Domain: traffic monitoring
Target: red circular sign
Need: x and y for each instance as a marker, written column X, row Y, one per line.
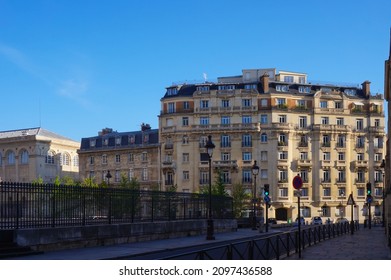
column 297, row 182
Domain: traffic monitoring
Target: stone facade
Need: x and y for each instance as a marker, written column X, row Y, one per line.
column 29, row 154
column 333, row 136
column 134, row 154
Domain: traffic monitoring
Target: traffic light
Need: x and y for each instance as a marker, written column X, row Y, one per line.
column 369, row 189
column 266, row 189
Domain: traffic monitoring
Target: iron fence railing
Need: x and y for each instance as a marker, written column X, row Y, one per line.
column 24, row 205
column 272, row 247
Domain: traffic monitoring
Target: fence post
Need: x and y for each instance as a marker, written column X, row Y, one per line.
column 251, row 250
column 54, row 206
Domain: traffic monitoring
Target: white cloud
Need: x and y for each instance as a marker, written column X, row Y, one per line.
column 74, row 89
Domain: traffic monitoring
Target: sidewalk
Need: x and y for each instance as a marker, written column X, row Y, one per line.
column 364, row 244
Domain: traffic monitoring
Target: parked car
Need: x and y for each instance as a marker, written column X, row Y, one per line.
column 302, row 221
column 341, row 220
column 316, row 220
column 272, row 221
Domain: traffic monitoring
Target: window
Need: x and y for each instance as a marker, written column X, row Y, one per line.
column 250, row 86
column 338, row 105
column 360, row 156
column 225, row 141
column 326, row 156
column 360, row 176
column 117, row 176
column 185, row 139
column 283, row 192
column 171, row 107
column 378, row 176
column 76, row 160
column 264, row 174
column 303, row 89
column 301, row 80
column 326, row 191
column 246, row 119
column 303, row 140
column 288, row 79
column 226, row 87
column 144, row 156
column 359, row 124
column 324, row 120
column 283, row 155
column 172, row 91
column 50, row 158
column 185, row 157
column 225, row 120
column 341, row 156
column 185, row 121
column 302, row 121
column 117, row 158
column 118, row 141
column 263, row 137
column 326, row 140
column 282, row 139
column 282, row 176
column 246, row 156
column 303, row 155
column 304, row 175
column 225, row 103
column 92, row 143
column 340, row 121
column 360, row 142
column 145, row 174
column 326, row 176
column 204, row 103
column 378, row 142
column 204, row 121
column 246, row 102
column 186, row 175
column 323, row 104
column 203, row 88
column 246, row 140
column 92, row 160
column 282, row 118
column 246, row 176
column 186, row 105
column 263, row 155
column 282, row 88
column 24, row 157
column 204, row 177
column 341, row 176
column 65, row 159
column 225, row 156
column 378, row 157
column 104, row 159
column 281, row 103
column 341, row 141
column 131, row 157
column 264, row 102
column 263, row 119
column 377, row 122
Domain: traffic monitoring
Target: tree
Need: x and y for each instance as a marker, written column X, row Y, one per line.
column 240, row 199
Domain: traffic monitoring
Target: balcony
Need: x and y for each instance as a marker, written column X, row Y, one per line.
column 225, row 164
column 360, row 164
column 304, row 163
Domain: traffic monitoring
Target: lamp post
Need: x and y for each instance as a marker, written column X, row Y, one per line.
column 255, row 170
column 383, row 165
column 210, row 227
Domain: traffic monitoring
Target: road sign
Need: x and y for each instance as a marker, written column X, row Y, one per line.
column 297, row 182
column 266, row 199
column 350, row 200
column 297, row 193
column 369, row 199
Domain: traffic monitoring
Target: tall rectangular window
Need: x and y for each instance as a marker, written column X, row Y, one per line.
column 204, row 103
column 263, row 119
column 171, row 107
column 246, row 119
column 359, row 124
column 302, row 121
column 225, row 120
column 204, row 120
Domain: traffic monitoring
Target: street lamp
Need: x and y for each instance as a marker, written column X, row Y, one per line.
column 255, row 170
column 210, row 228
column 383, row 165
column 108, row 176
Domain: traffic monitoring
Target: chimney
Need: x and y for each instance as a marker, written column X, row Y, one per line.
column 105, row 131
column 366, row 88
column 265, row 82
column 145, row 127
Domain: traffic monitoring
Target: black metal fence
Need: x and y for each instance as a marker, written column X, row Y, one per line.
column 24, row 205
column 271, row 247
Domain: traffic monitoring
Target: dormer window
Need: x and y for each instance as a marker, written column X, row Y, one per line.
column 92, row 143
column 226, row 87
column 172, row 91
column 303, row 89
column 282, row 88
column 250, row 86
column 350, row 91
column 203, row 88
column 118, row 141
column 288, row 79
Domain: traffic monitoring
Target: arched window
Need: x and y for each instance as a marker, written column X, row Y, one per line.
column 24, row 157
column 50, row 157
column 66, row 159
column 76, row 160
column 10, row 157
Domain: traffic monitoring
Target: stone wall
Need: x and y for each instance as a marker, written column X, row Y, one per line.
column 47, row 239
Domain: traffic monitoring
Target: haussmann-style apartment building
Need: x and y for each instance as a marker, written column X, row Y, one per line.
column 332, row 135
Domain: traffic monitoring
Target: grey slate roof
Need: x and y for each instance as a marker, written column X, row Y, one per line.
column 36, row 131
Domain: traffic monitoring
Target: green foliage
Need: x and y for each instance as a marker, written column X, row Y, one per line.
column 240, row 199
column 39, row 181
column 89, row 182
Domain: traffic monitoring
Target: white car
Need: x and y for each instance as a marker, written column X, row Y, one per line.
column 316, row 220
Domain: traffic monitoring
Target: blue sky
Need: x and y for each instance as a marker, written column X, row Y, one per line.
column 75, row 67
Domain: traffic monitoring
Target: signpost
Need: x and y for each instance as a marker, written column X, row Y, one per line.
column 351, row 203
column 297, row 184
